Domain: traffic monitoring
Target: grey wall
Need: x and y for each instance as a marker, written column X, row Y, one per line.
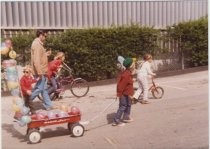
column 84, row 14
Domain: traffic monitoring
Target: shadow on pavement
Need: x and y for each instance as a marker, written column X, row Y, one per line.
column 60, row 131
column 15, row 133
column 38, row 105
column 109, row 118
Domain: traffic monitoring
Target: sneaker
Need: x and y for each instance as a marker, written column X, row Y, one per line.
column 118, row 124
column 128, row 120
column 144, row 102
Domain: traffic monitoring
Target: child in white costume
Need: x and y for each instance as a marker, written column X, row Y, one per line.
column 143, row 72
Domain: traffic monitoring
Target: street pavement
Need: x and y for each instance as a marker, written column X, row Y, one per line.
column 177, row 121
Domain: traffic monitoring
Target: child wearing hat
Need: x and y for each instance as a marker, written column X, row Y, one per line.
column 125, row 92
column 142, row 77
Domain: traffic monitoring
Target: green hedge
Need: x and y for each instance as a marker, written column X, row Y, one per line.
column 194, row 41
column 22, row 44
column 92, row 53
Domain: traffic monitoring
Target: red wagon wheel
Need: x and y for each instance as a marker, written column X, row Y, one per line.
column 34, row 136
column 77, row 130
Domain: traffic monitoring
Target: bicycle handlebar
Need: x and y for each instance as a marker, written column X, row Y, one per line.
column 67, row 68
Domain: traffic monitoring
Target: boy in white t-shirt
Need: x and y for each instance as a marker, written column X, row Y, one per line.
column 143, row 72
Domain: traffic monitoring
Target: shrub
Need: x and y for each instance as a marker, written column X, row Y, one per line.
column 92, row 53
column 22, row 44
column 194, row 40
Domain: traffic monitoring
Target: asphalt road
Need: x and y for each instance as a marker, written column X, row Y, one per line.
column 177, row 121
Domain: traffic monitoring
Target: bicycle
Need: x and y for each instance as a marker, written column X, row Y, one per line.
column 157, row 91
column 79, row 87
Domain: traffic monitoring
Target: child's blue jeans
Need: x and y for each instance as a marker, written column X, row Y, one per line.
column 124, row 109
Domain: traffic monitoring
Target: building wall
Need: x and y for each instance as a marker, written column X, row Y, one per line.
column 85, row 14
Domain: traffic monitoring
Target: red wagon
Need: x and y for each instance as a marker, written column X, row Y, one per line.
column 72, row 120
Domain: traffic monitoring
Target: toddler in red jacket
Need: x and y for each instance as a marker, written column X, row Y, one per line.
column 26, row 82
column 125, row 92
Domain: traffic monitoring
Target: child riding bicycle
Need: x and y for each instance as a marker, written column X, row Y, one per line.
column 53, row 67
column 143, row 72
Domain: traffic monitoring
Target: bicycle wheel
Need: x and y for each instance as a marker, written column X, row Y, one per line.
column 158, row 92
column 79, row 87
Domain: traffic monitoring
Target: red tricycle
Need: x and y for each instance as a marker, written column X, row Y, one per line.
column 72, row 120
